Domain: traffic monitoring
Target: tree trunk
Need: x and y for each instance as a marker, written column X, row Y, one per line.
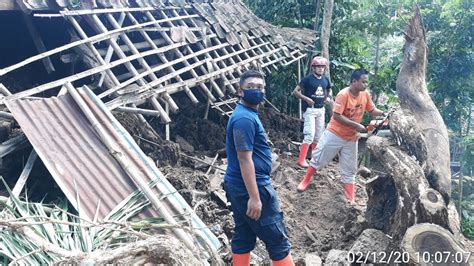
column 426, row 136
column 413, row 185
column 160, row 249
column 326, row 30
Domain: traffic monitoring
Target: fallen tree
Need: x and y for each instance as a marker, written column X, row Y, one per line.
column 414, row 182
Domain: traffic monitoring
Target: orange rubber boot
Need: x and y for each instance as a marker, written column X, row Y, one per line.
column 302, row 157
column 308, row 177
column 349, row 192
column 241, row 259
column 286, row 261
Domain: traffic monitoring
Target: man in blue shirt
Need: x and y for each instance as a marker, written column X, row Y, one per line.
column 247, row 183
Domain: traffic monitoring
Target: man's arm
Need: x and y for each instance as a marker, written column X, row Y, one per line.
column 376, row 112
column 346, row 121
column 254, row 205
column 299, row 95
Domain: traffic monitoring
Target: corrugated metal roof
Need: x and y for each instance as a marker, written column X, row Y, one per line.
column 90, row 177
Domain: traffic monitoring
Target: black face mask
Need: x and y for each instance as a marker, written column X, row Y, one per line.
column 253, row 95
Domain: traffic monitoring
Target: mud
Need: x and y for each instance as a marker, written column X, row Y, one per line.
column 318, row 220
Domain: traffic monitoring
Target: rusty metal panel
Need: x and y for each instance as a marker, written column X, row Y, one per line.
column 90, row 177
column 76, row 158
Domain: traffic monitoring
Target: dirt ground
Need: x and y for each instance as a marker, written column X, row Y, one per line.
column 317, row 220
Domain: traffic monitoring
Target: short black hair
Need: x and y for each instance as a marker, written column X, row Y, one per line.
column 250, row 74
column 356, row 74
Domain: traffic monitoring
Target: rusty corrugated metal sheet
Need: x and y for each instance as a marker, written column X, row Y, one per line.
column 73, row 154
column 81, row 164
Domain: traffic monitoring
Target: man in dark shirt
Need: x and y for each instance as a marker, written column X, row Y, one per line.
column 314, row 90
column 247, row 183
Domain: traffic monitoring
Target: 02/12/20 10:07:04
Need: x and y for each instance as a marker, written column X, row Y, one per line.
column 406, row 257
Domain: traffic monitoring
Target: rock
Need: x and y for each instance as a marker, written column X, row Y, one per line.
column 337, row 257
column 369, row 242
column 312, row 259
column 184, row 145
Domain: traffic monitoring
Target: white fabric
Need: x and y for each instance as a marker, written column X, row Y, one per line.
column 331, row 145
column 313, row 125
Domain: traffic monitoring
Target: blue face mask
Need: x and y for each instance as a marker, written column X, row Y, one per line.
column 253, row 96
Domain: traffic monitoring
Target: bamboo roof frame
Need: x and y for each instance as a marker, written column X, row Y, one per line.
column 162, row 50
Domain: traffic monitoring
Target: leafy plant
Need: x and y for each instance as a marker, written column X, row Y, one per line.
column 27, row 227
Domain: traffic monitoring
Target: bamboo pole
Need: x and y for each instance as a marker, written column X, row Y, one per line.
column 104, row 67
column 176, row 86
column 7, row 116
column 110, row 51
column 24, row 174
column 38, row 42
column 164, row 116
column 132, row 110
column 135, row 175
column 162, row 57
column 179, row 54
column 86, row 40
column 141, row 60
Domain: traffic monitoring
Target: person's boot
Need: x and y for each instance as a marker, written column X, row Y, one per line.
column 313, row 148
column 349, row 191
column 241, row 259
column 286, row 261
column 302, row 156
column 308, row 177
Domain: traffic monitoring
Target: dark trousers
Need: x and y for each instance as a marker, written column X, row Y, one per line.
column 270, row 228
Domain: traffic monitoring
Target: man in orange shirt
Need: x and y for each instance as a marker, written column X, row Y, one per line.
column 340, row 137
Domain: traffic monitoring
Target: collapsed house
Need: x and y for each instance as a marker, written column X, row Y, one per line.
column 134, row 57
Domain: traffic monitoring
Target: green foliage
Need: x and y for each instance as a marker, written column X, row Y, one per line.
column 467, row 218
column 467, row 157
column 358, row 26
column 64, row 230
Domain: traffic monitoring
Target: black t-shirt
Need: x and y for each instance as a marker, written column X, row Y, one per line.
column 310, row 88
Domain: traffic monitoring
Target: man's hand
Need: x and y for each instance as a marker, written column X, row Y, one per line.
column 328, row 100
column 254, row 208
column 309, row 101
column 360, row 128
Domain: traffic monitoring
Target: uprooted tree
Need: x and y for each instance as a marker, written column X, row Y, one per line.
column 410, row 199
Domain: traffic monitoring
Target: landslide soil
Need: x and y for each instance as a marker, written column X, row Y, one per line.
column 317, row 220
